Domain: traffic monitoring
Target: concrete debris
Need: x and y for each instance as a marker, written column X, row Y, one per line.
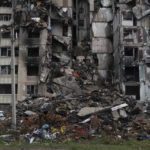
column 66, row 85
column 82, row 68
column 29, row 113
column 116, row 115
column 106, row 3
column 61, row 117
column 2, row 117
column 90, row 110
column 119, row 107
column 137, row 10
column 123, row 114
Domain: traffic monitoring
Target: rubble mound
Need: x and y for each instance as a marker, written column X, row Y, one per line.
column 85, row 116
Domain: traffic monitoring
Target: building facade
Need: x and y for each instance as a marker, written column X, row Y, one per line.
column 131, row 47
column 114, row 33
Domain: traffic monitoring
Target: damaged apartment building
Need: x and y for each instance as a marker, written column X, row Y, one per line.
column 54, row 37
column 131, row 28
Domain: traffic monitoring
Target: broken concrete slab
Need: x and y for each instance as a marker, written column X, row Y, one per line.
column 119, row 106
column 104, row 32
column 67, row 85
column 90, row 110
column 116, row 115
column 106, row 3
column 138, row 12
column 29, row 113
column 103, row 15
column 123, row 113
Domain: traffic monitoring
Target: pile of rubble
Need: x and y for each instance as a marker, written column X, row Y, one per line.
column 84, row 116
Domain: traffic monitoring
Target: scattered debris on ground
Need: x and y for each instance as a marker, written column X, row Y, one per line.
column 85, row 116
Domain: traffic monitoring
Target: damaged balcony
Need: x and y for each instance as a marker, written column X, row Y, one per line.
column 5, row 16
column 128, row 18
column 32, row 37
column 33, row 56
column 132, row 35
column 131, row 74
column 130, row 56
column 132, row 90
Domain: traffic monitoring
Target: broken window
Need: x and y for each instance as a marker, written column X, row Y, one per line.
column 33, row 52
column 5, row 17
column 32, row 70
column 5, row 70
column 128, row 51
column 131, row 52
column 33, row 34
column 32, row 89
column 132, row 74
column 133, row 91
column 6, row 51
column 5, row 3
column 97, row 5
column 5, row 88
column 16, row 51
column 127, row 16
column 6, row 35
column 130, row 35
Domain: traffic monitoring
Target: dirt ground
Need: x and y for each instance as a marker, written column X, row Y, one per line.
column 30, row 148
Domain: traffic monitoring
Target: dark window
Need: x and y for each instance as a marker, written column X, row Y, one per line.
column 81, row 23
column 35, row 34
column 32, row 89
column 130, row 34
column 6, row 35
column 16, row 51
column 132, row 73
column 133, row 90
column 129, row 51
column 32, row 70
column 16, row 69
column 5, row 17
column 81, row 10
column 33, row 52
column 5, row 88
column 6, row 51
column 127, row 16
column 5, row 3
column 65, row 30
column 5, row 70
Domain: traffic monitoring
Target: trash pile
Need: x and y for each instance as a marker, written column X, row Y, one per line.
column 84, row 116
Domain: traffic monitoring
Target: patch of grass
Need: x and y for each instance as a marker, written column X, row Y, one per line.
column 96, row 144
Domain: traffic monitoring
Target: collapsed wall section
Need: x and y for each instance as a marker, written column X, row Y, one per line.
column 101, row 17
